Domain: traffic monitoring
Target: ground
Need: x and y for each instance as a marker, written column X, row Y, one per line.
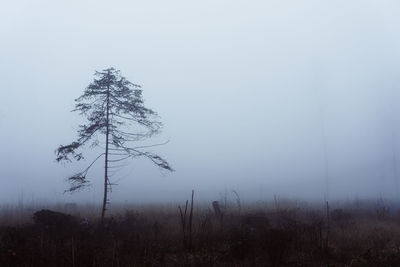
column 288, row 233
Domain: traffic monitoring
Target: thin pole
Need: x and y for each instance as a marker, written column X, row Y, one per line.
column 321, row 111
column 106, row 157
column 394, row 162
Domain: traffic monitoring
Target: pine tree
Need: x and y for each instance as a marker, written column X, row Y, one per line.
column 113, row 106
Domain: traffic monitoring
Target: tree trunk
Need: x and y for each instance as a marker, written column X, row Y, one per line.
column 103, row 211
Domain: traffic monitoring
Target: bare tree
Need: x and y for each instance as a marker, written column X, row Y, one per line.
column 112, row 106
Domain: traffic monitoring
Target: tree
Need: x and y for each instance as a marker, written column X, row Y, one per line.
column 112, row 105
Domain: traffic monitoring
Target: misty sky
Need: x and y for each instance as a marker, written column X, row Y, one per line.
column 250, row 93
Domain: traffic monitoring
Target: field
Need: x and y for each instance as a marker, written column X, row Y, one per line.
column 276, row 233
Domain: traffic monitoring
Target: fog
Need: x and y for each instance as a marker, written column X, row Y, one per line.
column 293, row 98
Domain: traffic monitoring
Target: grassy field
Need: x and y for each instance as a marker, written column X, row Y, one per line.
column 277, row 233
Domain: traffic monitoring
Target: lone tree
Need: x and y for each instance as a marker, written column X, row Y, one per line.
column 112, row 106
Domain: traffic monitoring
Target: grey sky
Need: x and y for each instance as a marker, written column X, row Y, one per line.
column 244, row 89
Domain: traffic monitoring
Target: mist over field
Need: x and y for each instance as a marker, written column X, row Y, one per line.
column 298, row 99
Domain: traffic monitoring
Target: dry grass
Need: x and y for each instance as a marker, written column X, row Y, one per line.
column 278, row 233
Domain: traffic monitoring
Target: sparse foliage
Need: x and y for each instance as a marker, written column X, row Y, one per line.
column 113, row 106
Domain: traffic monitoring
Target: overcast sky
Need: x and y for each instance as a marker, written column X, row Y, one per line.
column 261, row 97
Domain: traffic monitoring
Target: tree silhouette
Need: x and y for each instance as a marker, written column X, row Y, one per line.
column 112, row 106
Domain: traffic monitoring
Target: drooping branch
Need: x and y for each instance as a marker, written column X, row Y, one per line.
column 135, row 152
column 78, row 181
column 153, row 145
column 63, row 152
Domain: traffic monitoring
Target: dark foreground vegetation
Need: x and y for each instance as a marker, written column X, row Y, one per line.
column 262, row 234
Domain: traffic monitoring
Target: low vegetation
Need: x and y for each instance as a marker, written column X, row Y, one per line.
column 259, row 234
